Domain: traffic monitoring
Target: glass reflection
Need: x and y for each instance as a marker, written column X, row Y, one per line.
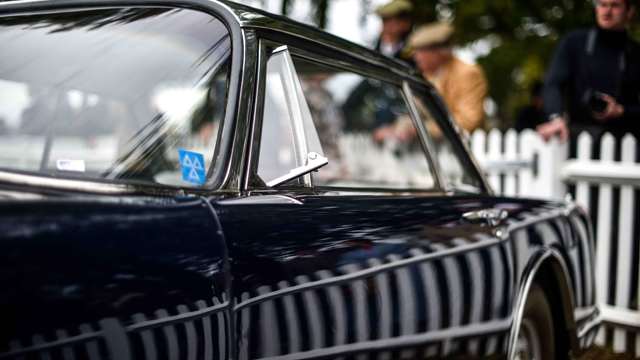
column 111, row 93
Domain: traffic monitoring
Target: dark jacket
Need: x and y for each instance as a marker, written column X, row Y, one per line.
column 403, row 53
column 589, row 61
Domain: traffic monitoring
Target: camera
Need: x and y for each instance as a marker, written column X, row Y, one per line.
column 595, row 102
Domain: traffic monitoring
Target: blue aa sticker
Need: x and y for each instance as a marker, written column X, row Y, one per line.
column 192, row 165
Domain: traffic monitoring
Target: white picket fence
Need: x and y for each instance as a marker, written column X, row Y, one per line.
column 522, row 164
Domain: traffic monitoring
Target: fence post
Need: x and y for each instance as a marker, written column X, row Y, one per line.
column 528, row 143
column 625, row 242
column 583, row 197
column 550, row 161
column 511, row 154
column 495, row 154
column 603, row 236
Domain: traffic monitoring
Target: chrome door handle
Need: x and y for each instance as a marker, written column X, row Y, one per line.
column 491, row 216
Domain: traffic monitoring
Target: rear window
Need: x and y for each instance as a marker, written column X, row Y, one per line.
column 114, row 94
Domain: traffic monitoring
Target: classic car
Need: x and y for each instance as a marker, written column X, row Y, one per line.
column 196, row 179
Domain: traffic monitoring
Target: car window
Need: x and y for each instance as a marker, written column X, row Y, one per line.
column 365, row 129
column 127, row 95
column 288, row 136
column 454, row 165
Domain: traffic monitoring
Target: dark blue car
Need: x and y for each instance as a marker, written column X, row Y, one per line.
column 197, row 179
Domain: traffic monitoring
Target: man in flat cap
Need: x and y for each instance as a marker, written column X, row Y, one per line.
column 396, row 27
column 463, row 86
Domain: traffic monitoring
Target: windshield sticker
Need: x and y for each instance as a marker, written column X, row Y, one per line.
column 192, row 165
column 71, row 165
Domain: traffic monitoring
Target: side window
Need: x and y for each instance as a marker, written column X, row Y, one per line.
column 144, row 109
column 365, row 130
column 454, row 165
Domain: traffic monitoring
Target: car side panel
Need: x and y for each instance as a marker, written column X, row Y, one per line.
column 125, row 279
column 399, row 277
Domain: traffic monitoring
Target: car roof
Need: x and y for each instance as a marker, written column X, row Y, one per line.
column 245, row 17
column 250, row 17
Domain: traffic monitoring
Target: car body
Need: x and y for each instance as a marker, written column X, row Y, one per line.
column 124, row 237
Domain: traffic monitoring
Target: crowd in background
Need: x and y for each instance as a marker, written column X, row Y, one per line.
column 592, row 84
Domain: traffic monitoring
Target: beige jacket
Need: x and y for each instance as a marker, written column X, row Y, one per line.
column 464, row 88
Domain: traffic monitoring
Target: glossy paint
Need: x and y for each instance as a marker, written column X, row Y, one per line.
column 114, row 268
column 392, row 277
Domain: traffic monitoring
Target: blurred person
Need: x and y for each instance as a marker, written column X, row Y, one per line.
column 532, row 115
column 329, row 122
column 593, row 83
column 396, row 27
column 463, row 86
column 325, row 112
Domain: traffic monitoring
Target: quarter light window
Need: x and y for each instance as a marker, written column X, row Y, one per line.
column 113, row 94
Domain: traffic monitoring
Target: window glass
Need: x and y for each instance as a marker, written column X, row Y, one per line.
column 277, row 145
column 365, row 130
column 288, row 132
column 115, row 94
column 456, row 172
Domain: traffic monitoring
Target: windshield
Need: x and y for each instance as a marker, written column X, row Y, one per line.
column 127, row 94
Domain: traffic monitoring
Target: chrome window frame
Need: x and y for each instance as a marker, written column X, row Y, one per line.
column 252, row 180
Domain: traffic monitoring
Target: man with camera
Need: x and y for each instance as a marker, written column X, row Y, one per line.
column 593, row 83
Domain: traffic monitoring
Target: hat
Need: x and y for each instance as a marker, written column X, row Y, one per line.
column 434, row 34
column 394, row 8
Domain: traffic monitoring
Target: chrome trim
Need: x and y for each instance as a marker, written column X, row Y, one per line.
column 425, row 137
column 403, row 341
column 19, row 195
column 534, row 220
column 262, row 200
column 314, row 162
column 67, row 184
column 523, row 292
column 156, row 323
column 491, row 216
column 595, row 322
column 279, row 49
column 582, row 314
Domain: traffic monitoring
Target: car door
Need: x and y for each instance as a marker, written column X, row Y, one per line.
column 369, row 256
